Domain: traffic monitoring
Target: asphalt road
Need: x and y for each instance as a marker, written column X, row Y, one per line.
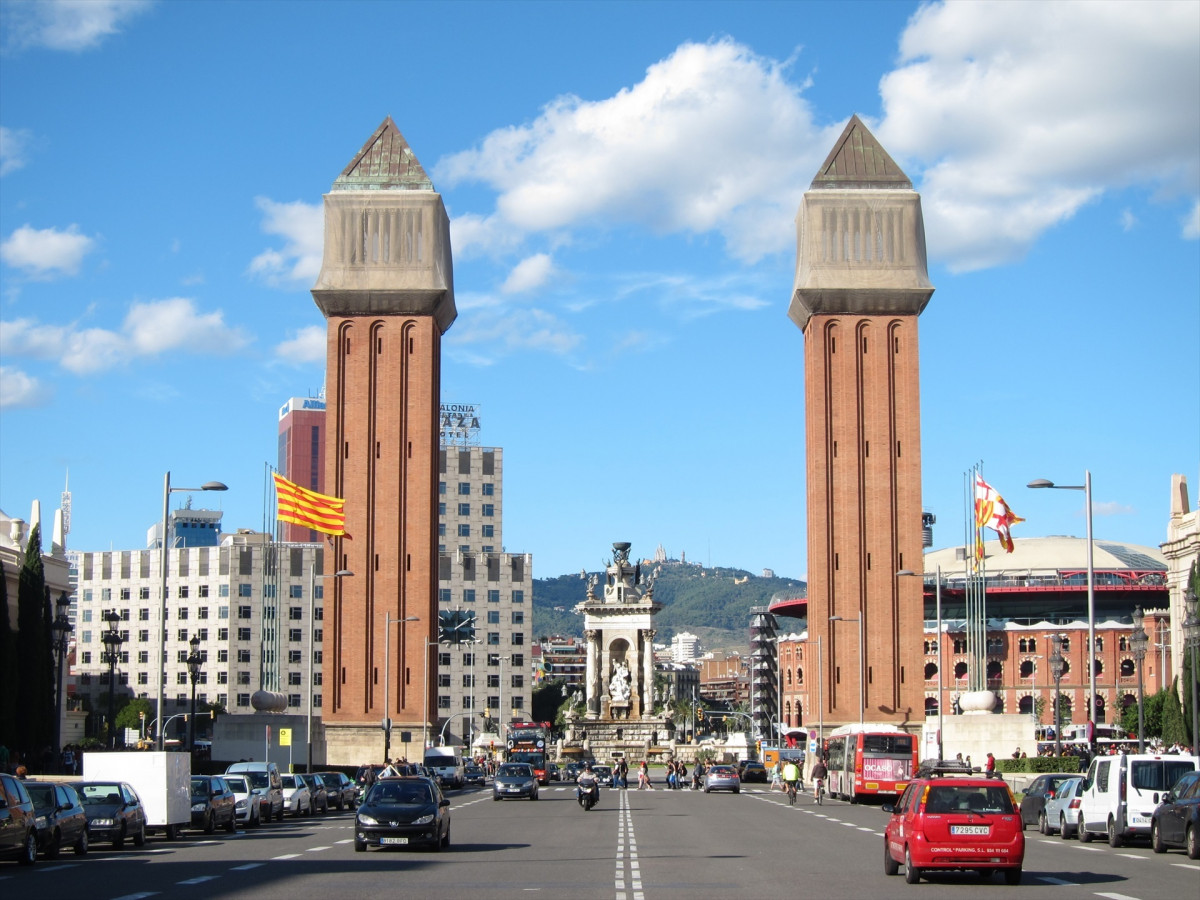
column 635, row 845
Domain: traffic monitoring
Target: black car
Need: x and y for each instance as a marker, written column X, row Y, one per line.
column 473, row 774
column 1176, row 821
column 18, row 831
column 213, row 804
column 114, row 812
column 61, row 820
column 340, row 788
column 318, row 792
column 754, row 771
column 1035, row 798
column 399, row 812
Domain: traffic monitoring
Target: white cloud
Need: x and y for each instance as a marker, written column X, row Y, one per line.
column 46, row 253
column 1128, row 220
column 1191, row 222
column 308, row 345
column 529, row 274
column 13, row 144
column 302, row 225
column 19, row 390
column 1023, row 113
column 148, row 330
column 1112, row 508
column 489, row 333
column 67, row 24
column 714, row 138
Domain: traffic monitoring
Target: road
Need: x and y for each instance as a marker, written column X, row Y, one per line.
column 635, row 845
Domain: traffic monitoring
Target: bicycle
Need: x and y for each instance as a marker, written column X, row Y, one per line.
column 820, row 792
column 791, row 792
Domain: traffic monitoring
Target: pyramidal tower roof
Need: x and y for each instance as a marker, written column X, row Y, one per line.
column 858, row 161
column 385, row 163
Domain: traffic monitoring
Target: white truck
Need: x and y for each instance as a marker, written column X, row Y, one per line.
column 163, row 781
column 447, row 764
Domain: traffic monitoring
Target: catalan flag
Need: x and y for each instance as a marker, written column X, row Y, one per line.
column 992, row 512
column 301, row 506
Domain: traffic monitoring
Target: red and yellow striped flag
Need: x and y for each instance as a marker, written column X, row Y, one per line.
column 301, row 506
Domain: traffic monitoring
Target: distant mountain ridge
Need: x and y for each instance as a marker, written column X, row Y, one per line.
column 713, row 603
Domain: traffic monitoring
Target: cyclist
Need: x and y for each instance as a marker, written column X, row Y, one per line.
column 791, row 775
column 819, row 774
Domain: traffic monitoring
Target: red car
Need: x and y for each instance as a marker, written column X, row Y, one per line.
column 949, row 818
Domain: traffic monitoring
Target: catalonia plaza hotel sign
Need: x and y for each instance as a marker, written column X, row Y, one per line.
column 459, row 424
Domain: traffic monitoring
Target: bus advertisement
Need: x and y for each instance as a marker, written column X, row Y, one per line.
column 869, row 760
column 527, row 743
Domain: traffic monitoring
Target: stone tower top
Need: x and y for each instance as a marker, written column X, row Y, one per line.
column 858, row 161
column 385, row 163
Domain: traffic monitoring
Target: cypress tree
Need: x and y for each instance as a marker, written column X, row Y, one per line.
column 33, row 645
column 9, row 685
column 1172, row 719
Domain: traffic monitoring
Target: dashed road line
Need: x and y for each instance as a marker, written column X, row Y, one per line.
column 1187, row 866
column 199, row 879
column 1048, row 879
column 627, row 854
column 247, row 867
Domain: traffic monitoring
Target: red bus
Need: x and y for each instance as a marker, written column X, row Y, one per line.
column 527, row 743
column 866, row 761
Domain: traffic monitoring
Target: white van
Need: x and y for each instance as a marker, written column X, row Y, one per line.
column 447, row 764
column 1120, row 793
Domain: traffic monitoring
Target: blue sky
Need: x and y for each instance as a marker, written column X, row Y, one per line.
column 622, row 180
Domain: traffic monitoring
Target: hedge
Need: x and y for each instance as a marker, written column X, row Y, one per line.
column 1039, row 764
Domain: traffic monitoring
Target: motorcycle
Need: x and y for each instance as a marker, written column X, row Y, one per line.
column 587, row 797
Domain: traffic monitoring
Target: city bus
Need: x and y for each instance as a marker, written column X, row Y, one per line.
column 868, row 761
column 527, row 743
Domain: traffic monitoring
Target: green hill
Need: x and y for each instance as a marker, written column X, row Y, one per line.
column 709, row 603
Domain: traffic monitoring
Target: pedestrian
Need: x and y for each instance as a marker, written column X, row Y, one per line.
column 644, row 777
column 776, row 780
column 671, row 774
column 623, row 773
column 991, row 765
column 680, row 775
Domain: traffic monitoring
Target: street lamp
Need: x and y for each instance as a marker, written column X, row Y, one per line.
column 1191, row 630
column 1086, row 487
column 862, row 704
column 938, row 605
column 162, row 571
column 193, row 664
column 387, row 678
column 1056, row 669
column 1137, row 641
column 61, row 630
column 112, row 654
column 312, row 594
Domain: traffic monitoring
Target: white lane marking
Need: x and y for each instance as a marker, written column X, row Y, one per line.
column 286, row 856
column 1051, row 880
column 315, row 849
column 627, row 852
column 1187, row 866
column 247, row 867
column 199, row 879
column 346, row 841
column 1131, row 855
column 141, row 895
column 1088, row 849
column 1115, row 896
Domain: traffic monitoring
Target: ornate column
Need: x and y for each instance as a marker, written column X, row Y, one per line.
column 648, row 670
column 593, row 695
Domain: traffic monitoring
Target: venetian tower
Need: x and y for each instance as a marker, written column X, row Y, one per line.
column 386, row 289
column 861, row 283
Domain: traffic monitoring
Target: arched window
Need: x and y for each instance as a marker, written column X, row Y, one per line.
column 1127, row 668
column 799, row 675
column 1099, row 666
column 931, row 706
column 960, row 670
column 1100, row 709
column 1025, row 705
column 994, row 670
column 931, row 671
column 789, row 677
column 788, row 713
column 1026, row 668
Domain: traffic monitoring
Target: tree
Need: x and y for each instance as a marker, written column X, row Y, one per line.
column 127, row 715
column 1190, row 678
column 8, row 670
column 35, row 658
column 1172, row 718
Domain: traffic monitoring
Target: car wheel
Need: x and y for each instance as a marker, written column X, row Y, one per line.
column 1085, row 836
column 54, row 848
column 1012, row 876
column 446, row 837
column 210, row 822
column 737, row 790
column 29, row 850
column 1064, row 831
column 119, row 840
column 1043, row 825
column 1156, row 840
column 495, row 796
column 911, row 873
column 81, row 845
column 255, row 820
column 139, row 839
column 1191, row 843
column 232, row 826
column 1114, row 839
column 890, row 866
column 360, row 846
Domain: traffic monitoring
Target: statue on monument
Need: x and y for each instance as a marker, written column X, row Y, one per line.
column 618, row 688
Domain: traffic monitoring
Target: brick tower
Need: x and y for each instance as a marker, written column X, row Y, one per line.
column 861, row 282
column 386, row 289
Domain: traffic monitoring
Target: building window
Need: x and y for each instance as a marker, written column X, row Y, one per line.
column 183, row 636
column 143, row 657
column 243, row 634
column 86, row 657
column 518, row 596
column 296, row 592
column 244, row 612
column 294, row 657
column 202, row 613
column 295, row 634
column 493, row 596
column 243, row 656
column 444, row 595
column 144, row 593
column 243, row 699
column 464, row 529
column 489, row 489
column 443, row 701
column 294, row 678
column 144, row 635
column 295, row 613
column 294, row 700
column 518, row 617
column 442, row 508
column 468, row 595
column 518, row 660
column 464, row 489
column 489, row 510
column 518, row 702
column 222, row 590
column 518, row 681
column 222, row 634
column 203, row 591
column 443, row 659
column 183, row 592
column 181, row 677
column 468, row 680
column 493, row 617
column 143, row 678
column 493, row 681
column 244, row 590
column 444, row 679
column 243, row 677
column 222, row 612
column 489, row 531
column 441, row 487
column 464, row 509
column 518, row 638
column 222, row 656
column 493, row 638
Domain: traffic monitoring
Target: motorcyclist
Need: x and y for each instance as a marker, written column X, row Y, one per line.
column 587, row 781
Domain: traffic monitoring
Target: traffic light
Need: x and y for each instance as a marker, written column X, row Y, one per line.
column 699, row 713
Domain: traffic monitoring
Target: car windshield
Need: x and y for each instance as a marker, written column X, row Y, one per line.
column 515, row 771
column 390, row 794
column 199, row 787
column 42, row 795
column 602, row 770
column 331, row 779
column 955, row 798
column 237, row 784
column 1158, row 774
column 98, row 794
column 258, row 779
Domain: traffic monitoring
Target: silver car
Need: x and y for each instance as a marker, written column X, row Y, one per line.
column 722, row 778
column 1059, row 816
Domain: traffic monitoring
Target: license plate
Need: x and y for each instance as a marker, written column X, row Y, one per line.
column 1141, row 820
column 393, row 840
column 969, row 829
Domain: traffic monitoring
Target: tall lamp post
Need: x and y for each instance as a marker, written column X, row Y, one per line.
column 1191, row 630
column 862, row 703
column 193, row 664
column 1086, row 487
column 312, row 625
column 61, row 630
column 938, row 606
column 112, row 655
column 425, row 723
column 387, row 681
column 1138, row 640
column 1056, row 669
column 162, row 571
